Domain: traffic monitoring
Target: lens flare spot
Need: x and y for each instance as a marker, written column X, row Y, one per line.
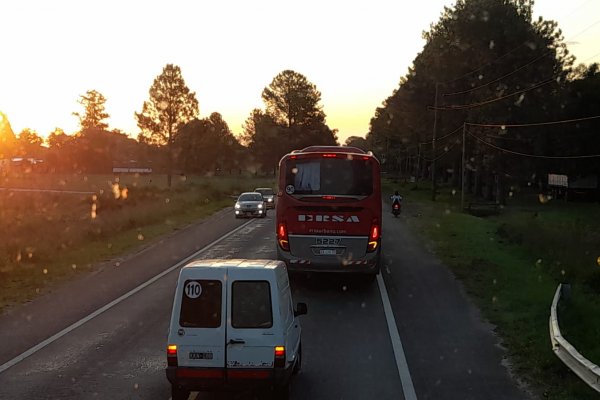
column 116, row 190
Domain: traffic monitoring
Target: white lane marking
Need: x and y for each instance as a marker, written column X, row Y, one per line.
column 405, row 378
column 108, row 306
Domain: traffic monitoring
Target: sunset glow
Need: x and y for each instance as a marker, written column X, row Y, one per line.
column 354, row 52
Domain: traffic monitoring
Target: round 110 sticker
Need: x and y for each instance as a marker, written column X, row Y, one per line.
column 192, row 289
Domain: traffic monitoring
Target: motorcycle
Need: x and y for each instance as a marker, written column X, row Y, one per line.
column 396, row 208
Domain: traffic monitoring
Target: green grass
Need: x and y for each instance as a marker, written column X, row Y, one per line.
column 48, row 237
column 510, row 265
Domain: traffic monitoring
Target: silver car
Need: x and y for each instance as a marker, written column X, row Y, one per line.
column 250, row 204
column 269, row 195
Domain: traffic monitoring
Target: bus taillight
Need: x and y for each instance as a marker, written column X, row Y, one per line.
column 282, row 237
column 374, row 237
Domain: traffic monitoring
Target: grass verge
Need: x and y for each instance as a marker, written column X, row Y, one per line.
column 510, row 265
column 50, row 237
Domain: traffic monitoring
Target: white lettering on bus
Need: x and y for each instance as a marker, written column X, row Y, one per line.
column 327, row 218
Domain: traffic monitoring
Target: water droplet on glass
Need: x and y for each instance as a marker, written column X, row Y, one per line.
column 140, row 236
column 136, row 386
column 363, row 304
column 167, row 200
column 447, row 211
column 494, row 299
column 344, row 288
column 453, row 192
column 74, row 266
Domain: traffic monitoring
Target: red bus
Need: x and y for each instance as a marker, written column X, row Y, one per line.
column 329, row 210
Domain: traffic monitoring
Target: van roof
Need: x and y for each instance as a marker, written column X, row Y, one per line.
column 233, row 263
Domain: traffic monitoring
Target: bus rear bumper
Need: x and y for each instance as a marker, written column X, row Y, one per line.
column 368, row 265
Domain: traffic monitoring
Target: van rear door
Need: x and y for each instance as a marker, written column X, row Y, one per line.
column 202, row 320
column 250, row 335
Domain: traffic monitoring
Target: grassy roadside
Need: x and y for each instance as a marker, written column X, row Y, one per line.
column 49, row 237
column 510, row 266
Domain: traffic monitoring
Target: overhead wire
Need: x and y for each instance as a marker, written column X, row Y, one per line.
column 518, row 153
column 519, row 68
column 564, row 121
column 512, row 50
column 489, row 101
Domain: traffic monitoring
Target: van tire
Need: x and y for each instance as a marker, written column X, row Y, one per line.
column 178, row 393
column 298, row 365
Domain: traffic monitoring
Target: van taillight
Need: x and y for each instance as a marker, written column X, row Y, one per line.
column 172, row 355
column 280, row 356
column 282, row 237
column 374, row 237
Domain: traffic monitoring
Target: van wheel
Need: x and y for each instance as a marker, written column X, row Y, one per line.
column 281, row 392
column 298, row 365
column 178, row 393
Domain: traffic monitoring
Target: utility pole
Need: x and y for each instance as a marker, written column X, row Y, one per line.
column 463, row 169
column 435, row 110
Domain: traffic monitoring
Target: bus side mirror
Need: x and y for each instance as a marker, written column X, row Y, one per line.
column 301, row 309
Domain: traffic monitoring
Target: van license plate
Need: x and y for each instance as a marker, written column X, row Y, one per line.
column 200, row 356
column 327, row 252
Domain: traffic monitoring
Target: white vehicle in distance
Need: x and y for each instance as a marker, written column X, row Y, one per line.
column 250, row 204
column 233, row 326
column 268, row 194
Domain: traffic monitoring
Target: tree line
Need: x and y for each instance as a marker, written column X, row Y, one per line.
column 174, row 139
column 489, row 64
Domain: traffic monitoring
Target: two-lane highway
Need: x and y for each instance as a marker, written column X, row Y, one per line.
column 350, row 349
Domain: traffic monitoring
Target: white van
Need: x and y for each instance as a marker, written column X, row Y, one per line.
column 233, row 326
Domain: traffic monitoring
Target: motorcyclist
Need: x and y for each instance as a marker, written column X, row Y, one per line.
column 396, row 198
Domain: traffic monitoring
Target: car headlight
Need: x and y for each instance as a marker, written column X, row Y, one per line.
column 260, row 206
column 237, row 206
column 270, row 200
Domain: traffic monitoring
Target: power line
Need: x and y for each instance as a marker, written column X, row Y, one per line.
column 517, row 153
column 564, row 121
column 512, row 51
column 498, row 79
column 485, row 102
column 446, row 152
column 443, row 137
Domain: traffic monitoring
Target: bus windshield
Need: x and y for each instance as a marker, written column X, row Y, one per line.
column 329, row 176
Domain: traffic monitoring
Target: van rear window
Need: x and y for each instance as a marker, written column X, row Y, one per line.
column 201, row 304
column 251, row 304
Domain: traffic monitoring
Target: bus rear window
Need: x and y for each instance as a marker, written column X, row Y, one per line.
column 329, row 176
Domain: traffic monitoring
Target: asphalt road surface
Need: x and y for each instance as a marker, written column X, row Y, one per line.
column 103, row 335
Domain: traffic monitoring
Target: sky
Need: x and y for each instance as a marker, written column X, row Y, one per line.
column 229, row 50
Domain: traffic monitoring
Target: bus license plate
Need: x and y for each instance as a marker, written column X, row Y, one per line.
column 200, row 356
column 327, row 252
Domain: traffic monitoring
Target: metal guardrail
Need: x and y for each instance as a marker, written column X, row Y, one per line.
column 585, row 369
